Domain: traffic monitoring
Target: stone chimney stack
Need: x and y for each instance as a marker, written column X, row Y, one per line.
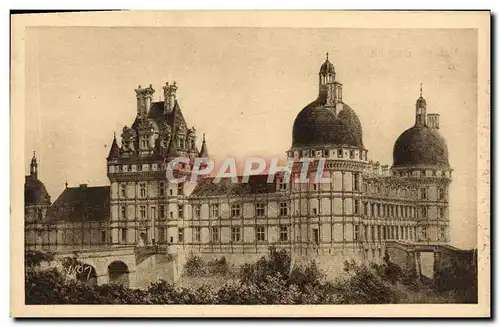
column 385, row 170
column 433, row 121
column 169, row 93
column 144, row 99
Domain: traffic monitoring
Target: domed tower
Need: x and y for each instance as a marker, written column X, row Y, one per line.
column 327, row 133
column 36, row 203
column 420, row 154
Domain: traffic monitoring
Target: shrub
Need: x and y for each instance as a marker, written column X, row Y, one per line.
column 194, row 266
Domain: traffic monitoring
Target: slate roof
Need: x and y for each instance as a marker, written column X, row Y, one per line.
column 81, row 204
column 257, row 184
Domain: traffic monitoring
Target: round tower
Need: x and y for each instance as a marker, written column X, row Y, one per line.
column 327, row 134
column 420, row 154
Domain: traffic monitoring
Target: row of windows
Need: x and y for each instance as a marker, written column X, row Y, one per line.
column 380, row 233
column 237, row 210
column 161, row 212
column 284, row 185
column 423, row 192
column 420, row 173
column 388, row 210
column 143, row 190
column 340, row 153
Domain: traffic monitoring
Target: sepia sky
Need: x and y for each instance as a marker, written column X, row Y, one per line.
column 243, row 87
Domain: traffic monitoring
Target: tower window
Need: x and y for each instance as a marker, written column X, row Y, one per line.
column 215, row 234
column 142, row 190
column 161, row 211
column 142, row 210
column 124, row 212
column 441, row 193
column 124, row 235
column 214, row 210
column 260, row 209
column 235, row 234
column 283, row 233
column 260, row 232
column 123, row 189
column 283, row 208
column 197, row 210
column 197, row 234
column 181, row 211
column 235, row 210
column 356, row 207
column 180, row 188
column 356, row 232
column 423, row 193
column 162, row 189
column 181, row 235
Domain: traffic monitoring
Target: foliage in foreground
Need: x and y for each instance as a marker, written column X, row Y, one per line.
column 273, row 279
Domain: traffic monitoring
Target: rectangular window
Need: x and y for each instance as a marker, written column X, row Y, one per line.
column 442, row 234
column 283, row 185
column 424, row 212
column 214, row 234
column 441, row 193
column 356, row 182
column 162, row 189
column 181, row 235
column 351, row 154
column 365, row 209
column 423, row 193
column 356, row 207
column 161, row 211
column 260, row 209
column 235, row 234
column 315, row 211
column 260, row 233
column 153, row 212
column 197, row 234
column 142, row 212
column 372, row 230
column 197, row 210
column 214, row 210
column 356, row 232
column 124, row 212
column 124, row 235
column 181, row 211
column 379, row 236
column 171, row 215
column 283, row 209
column 103, row 236
column 316, row 235
column 123, row 189
column 161, row 235
column 283, row 233
column 365, row 228
column 442, row 212
column 142, row 190
column 235, row 210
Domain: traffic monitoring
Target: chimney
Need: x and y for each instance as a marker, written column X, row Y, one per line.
column 169, row 92
column 433, row 121
column 141, row 101
column 385, row 170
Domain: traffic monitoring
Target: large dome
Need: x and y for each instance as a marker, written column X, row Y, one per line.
column 35, row 192
column 317, row 125
column 420, row 146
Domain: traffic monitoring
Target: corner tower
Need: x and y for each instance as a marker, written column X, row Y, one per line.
column 328, row 214
column 420, row 155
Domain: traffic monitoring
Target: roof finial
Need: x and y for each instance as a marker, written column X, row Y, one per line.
column 66, row 183
column 420, row 89
column 34, row 154
column 203, row 137
column 114, row 135
column 327, row 56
